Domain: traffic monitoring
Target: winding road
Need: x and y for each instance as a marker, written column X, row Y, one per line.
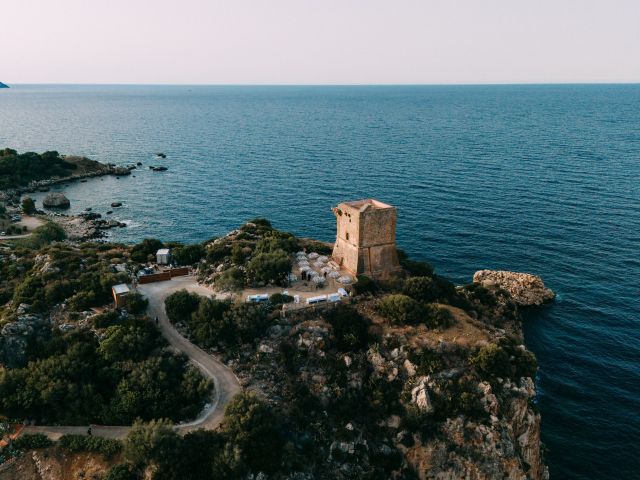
column 226, row 384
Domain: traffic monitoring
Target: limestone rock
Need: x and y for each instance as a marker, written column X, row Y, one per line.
column 420, row 395
column 525, row 289
column 56, row 200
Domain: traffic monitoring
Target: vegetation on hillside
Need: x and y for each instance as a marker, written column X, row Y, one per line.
column 18, row 169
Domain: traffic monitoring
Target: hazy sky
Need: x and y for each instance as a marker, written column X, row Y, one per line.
column 318, row 42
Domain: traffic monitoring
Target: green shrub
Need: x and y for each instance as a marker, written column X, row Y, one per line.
column 437, row 317
column 28, row 206
column 350, row 329
column 144, row 250
column 81, row 443
column 231, row 279
column 218, row 251
column 123, row 472
column 188, row 254
column 280, row 298
column 402, row 310
column 31, row 441
column 492, row 361
column 154, row 441
column 181, row 305
column 423, row 289
column 105, row 319
column 270, row 267
column 136, row 303
column 364, row 285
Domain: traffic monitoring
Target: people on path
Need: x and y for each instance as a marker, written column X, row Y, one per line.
column 157, row 320
column 89, row 431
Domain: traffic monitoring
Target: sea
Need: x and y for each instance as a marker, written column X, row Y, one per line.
column 534, row 178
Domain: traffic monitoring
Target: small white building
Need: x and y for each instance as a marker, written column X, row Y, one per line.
column 163, row 256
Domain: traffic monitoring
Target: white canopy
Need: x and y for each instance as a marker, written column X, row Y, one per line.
column 319, row 279
column 313, row 256
column 323, row 259
column 333, row 274
column 345, row 279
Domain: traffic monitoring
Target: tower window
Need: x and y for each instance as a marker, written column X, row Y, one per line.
column 347, row 235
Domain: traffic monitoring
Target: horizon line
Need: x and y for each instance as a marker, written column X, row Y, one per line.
column 452, row 84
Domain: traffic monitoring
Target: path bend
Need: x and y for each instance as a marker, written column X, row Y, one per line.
column 226, row 384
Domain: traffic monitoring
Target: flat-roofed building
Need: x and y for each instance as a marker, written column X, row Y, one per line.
column 366, row 237
column 120, row 293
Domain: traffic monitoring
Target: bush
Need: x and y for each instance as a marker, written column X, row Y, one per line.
column 218, row 251
column 350, row 329
column 364, row 285
column 181, row 305
column 438, row 317
column 231, row 279
column 81, row 443
column 188, row 254
column 123, row 472
column 28, row 206
column 402, row 310
column 142, row 251
column 106, row 319
column 31, row 441
column 423, row 289
column 49, row 232
column 136, row 303
column 270, row 267
column 280, row 298
column 492, row 361
column 251, row 427
column 155, row 441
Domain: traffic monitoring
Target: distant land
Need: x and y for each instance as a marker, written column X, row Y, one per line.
column 3, row 85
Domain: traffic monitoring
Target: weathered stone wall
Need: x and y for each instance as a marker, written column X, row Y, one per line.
column 365, row 237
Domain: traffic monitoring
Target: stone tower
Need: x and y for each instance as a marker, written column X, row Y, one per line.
column 366, row 237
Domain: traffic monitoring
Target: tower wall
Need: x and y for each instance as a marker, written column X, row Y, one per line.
column 366, row 237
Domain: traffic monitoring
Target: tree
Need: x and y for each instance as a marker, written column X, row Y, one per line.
column 155, row 441
column 248, row 321
column 208, row 324
column 188, row 254
column 492, row 361
column 423, row 289
column 142, row 251
column 131, row 341
column 251, row 427
column 270, row 267
column 181, row 305
column 136, row 303
column 350, row 329
column 402, row 310
column 231, row 279
column 28, row 206
column 50, row 232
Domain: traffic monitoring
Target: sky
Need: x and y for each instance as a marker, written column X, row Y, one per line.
column 319, row 41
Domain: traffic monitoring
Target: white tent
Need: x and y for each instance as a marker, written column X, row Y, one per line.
column 319, row 279
column 333, row 274
column 313, row 256
column 345, row 279
column 323, row 259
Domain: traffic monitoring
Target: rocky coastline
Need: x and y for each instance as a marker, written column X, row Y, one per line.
column 526, row 290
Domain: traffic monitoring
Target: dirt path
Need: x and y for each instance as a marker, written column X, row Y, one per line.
column 226, row 385
column 30, row 222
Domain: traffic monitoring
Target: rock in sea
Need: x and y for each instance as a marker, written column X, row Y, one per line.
column 525, row 289
column 56, row 200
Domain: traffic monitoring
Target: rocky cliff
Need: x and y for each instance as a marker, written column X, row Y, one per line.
column 525, row 289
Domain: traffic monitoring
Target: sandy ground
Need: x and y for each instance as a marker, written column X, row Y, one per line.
column 226, row 384
column 30, row 222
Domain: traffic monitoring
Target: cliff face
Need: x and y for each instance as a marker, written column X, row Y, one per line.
column 55, row 464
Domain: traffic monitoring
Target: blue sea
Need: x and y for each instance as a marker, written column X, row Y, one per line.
column 540, row 179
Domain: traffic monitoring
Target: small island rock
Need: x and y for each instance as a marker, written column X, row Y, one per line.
column 525, row 289
column 56, row 200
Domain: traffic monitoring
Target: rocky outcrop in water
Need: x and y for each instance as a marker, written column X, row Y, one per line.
column 525, row 289
column 56, row 200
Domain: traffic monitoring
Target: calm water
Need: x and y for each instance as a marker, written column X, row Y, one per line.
column 543, row 179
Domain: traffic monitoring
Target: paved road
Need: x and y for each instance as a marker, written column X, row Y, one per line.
column 226, row 385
